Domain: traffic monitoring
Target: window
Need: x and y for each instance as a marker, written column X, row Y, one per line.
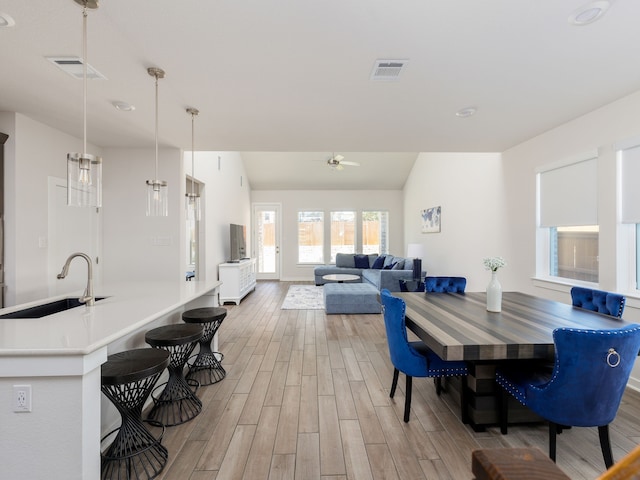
column 574, row 252
column 310, row 237
column 343, row 238
column 567, row 207
column 629, row 155
column 375, row 232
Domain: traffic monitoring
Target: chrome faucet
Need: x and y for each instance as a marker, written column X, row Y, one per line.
column 87, row 298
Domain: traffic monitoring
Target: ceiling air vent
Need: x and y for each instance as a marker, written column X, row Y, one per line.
column 387, row 70
column 73, row 66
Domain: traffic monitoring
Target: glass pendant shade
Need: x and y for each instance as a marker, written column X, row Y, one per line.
column 84, row 171
column 84, row 180
column 157, row 198
column 192, row 200
column 157, row 191
column 192, row 203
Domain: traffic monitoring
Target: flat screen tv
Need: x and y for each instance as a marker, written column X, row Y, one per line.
column 238, row 242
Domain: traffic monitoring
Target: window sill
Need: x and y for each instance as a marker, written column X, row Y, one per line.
column 560, row 285
column 564, row 286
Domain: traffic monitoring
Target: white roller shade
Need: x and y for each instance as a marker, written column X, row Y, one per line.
column 568, row 195
column 630, row 185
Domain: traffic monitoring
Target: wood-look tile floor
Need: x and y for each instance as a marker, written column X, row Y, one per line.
column 306, row 396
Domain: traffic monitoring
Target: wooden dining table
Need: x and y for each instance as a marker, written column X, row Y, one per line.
column 459, row 327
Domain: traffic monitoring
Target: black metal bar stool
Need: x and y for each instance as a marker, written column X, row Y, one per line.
column 178, row 402
column 127, row 380
column 207, row 367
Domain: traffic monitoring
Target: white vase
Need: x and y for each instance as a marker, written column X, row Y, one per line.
column 494, row 294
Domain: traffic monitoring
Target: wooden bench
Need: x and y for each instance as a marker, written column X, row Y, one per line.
column 514, row 464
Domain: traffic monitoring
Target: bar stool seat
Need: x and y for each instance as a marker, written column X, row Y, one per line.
column 207, row 367
column 127, row 380
column 178, row 402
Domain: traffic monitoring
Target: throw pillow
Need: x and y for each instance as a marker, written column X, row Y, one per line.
column 398, row 265
column 389, row 267
column 361, row 261
column 379, row 263
column 345, row 260
column 388, row 260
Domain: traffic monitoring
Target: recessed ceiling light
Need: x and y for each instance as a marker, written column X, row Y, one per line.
column 6, row 21
column 466, row 112
column 589, row 13
column 123, row 106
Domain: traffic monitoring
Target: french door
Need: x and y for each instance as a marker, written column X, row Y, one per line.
column 266, row 247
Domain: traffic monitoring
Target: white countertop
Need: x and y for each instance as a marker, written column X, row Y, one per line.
column 83, row 330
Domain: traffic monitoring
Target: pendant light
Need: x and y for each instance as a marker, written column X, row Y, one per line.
column 84, row 171
column 193, row 199
column 157, row 195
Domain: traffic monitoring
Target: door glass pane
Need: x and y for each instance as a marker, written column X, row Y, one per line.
column 266, row 241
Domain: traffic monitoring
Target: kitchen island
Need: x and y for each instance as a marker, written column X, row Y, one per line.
column 59, row 357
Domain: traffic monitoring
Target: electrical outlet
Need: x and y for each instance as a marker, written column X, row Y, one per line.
column 22, row 398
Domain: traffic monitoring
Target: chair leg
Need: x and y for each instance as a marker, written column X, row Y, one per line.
column 464, row 411
column 438, row 382
column 407, row 401
column 605, row 445
column 553, row 428
column 503, row 408
column 394, row 384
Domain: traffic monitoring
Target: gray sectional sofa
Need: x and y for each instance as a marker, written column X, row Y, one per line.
column 385, row 272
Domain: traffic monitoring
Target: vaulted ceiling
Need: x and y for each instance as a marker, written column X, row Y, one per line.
column 291, row 78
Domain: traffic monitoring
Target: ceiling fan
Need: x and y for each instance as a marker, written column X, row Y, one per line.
column 337, row 162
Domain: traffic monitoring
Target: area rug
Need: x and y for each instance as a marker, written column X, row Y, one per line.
column 303, row 297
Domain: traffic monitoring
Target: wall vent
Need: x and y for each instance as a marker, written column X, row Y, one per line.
column 388, row 70
column 73, row 66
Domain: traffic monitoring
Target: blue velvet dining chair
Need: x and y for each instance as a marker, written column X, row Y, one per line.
column 598, row 300
column 411, row 285
column 414, row 359
column 585, row 387
column 445, row 284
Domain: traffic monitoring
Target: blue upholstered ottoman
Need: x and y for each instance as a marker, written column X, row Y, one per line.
column 351, row 298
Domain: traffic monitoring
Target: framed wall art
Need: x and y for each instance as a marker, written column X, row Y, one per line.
column 431, row 220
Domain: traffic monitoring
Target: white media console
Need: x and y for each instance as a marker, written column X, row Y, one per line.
column 238, row 279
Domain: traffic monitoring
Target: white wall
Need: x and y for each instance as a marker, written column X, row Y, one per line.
column 225, row 198
column 134, row 246
column 597, row 130
column 137, row 247
column 293, row 201
column 470, row 189
column 33, row 152
column 143, row 248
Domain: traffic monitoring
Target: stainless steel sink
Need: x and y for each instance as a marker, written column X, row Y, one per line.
column 47, row 308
